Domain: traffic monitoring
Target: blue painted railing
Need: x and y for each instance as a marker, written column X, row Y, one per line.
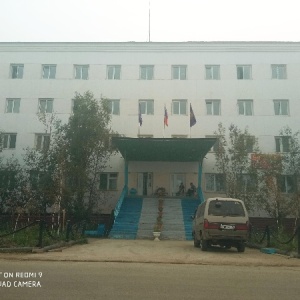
column 120, row 201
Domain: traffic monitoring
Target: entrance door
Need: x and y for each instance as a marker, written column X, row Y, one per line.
column 176, row 180
column 145, row 184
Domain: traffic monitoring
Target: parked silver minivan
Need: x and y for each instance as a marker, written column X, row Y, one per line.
column 221, row 221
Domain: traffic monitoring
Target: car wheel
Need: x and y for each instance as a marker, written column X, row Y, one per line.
column 241, row 247
column 204, row 245
column 196, row 242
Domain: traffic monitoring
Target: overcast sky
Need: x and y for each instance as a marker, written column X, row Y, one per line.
column 128, row 20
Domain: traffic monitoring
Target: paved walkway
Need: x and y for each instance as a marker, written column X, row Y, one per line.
column 148, row 251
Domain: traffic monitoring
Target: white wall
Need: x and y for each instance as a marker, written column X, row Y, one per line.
column 196, row 89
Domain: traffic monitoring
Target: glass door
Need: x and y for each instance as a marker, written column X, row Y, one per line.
column 176, row 180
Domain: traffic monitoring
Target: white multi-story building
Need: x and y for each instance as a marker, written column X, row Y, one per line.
column 254, row 84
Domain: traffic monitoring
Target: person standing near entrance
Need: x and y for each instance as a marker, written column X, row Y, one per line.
column 192, row 190
column 181, row 190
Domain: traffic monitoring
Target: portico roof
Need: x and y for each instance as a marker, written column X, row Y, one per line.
column 163, row 149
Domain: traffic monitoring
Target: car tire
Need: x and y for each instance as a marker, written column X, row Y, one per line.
column 204, row 245
column 196, row 242
column 241, row 247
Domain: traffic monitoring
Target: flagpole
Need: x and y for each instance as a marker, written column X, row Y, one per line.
column 149, row 21
column 164, row 117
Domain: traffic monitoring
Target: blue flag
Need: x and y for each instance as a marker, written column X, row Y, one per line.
column 192, row 117
column 140, row 115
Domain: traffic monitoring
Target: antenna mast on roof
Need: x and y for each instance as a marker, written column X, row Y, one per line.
column 149, row 21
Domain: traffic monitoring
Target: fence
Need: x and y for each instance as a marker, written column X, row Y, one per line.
column 41, row 230
column 47, row 229
column 271, row 237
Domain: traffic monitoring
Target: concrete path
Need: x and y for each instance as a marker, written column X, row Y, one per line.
column 148, row 251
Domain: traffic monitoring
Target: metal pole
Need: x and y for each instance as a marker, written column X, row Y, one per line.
column 268, row 236
column 298, row 239
column 126, row 173
column 40, row 244
column 199, row 189
column 68, row 230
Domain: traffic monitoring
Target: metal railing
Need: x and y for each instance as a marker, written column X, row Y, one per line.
column 269, row 236
column 72, row 232
column 120, row 201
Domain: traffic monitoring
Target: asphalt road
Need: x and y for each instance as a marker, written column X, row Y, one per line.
column 110, row 280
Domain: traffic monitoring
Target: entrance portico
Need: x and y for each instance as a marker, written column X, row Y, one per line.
column 162, row 162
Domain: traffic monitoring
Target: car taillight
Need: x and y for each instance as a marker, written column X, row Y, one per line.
column 242, row 226
column 208, row 225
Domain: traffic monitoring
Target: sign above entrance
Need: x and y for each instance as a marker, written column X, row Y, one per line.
column 163, row 149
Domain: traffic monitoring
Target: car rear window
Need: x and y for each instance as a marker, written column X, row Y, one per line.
column 226, row 208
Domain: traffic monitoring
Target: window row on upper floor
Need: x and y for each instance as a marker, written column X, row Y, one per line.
column 147, row 72
column 42, row 142
column 245, row 107
column 216, row 182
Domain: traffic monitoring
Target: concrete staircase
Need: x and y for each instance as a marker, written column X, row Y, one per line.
column 188, row 207
column 127, row 222
column 137, row 218
column 148, row 218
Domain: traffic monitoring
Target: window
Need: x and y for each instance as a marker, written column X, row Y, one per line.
column 42, row 141
column 245, row 107
column 146, row 107
column 7, row 179
column 212, row 72
column 179, row 107
column 113, row 72
column 13, row 105
column 45, row 105
column 49, row 71
column 114, row 106
column 226, row 208
column 215, row 182
column 179, row 72
column 145, row 136
column 278, row 71
column 213, row 107
column 244, row 72
column 17, row 71
column 9, row 140
column 247, row 183
column 249, row 142
column 37, row 179
column 286, row 183
column 179, row 136
column 281, row 107
column 108, row 181
column 81, row 72
column 146, row 72
column 74, row 105
column 282, row 143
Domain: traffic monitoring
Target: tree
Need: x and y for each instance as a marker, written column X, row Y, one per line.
column 291, row 168
column 271, row 199
column 85, row 152
column 234, row 161
column 43, row 166
column 13, row 187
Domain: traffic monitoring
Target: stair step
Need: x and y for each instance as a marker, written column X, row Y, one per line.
column 137, row 218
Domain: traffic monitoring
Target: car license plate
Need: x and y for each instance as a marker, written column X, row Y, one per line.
column 227, row 227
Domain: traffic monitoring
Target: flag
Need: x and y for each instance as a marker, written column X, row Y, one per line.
column 192, row 117
column 166, row 117
column 140, row 115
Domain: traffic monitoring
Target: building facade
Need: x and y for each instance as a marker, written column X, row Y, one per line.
column 253, row 84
